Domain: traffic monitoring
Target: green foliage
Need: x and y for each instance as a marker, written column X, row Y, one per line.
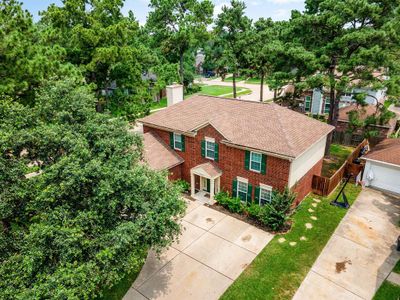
column 85, row 219
column 273, row 215
column 177, row 27
column 182, row 185
column 232, row 204
column 25, row 60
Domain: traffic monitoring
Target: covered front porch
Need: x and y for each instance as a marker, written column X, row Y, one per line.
column 209, row 178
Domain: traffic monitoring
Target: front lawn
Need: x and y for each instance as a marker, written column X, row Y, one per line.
column 219, row 90
column 339, row 154
column 277, row 272
column 230, row 79
column 388, row 291
column 254, row 80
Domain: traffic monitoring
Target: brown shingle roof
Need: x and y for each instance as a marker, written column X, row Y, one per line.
column 157, row 154
column 365, row 112
column 266, row 127
column 210, row 169
column 387, row 151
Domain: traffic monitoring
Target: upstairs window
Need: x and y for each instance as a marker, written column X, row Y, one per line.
column 307, row 103
column 210, row 150
column 327, row 106
column 255, row 161
column 178, row 142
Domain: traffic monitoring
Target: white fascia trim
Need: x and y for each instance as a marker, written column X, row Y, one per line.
column 209, row 139
column 190, row 134
column 381, row 162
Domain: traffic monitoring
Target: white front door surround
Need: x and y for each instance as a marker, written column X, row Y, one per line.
column 215, row 181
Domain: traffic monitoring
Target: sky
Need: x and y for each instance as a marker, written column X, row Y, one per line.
column 276, row 9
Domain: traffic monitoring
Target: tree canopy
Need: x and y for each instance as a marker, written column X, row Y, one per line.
column 77, row 206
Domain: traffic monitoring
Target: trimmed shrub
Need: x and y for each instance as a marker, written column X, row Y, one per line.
column 183, row 185
column 273, row 215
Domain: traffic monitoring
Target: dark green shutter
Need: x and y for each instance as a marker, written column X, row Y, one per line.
column 171, row 139
column 216, row 152
column 264, row 164
column 234, row 188
column 247, row 160
column 257, row 195
column 208, row 185
column 249, row 193
column 203, row 148
column 183, row 143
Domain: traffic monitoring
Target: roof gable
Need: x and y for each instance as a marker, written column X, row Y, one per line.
column 266, row 127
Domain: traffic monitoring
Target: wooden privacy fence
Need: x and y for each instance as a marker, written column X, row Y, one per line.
column 324, row 186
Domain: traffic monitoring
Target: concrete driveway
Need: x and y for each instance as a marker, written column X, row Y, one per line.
column 360, row 254
column 211, row 253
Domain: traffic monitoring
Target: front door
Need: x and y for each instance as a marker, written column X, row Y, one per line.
column 206, row 184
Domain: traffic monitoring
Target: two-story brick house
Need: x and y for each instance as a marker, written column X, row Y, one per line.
column 245, row 148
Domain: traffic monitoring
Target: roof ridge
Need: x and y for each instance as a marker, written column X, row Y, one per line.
column 283, row 129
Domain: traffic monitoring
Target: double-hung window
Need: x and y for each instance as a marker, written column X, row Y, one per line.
column 210, row 149
column 307, row 103
column 255, row 161
column 327, row 107
column 178, row 145
column 265, row 195
column 242, row 190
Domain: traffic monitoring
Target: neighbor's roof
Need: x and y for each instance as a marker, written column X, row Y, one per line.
column 365, row 112
column 265, row 127
column 387, row 151
column 157, row 154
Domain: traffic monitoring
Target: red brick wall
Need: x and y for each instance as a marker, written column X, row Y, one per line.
column 175, row 173
column 304, row 186
column 231, row 161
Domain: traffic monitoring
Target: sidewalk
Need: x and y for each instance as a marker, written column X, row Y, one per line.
column 360, row 254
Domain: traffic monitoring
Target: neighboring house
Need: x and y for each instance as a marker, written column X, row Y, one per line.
column 245, row 148
column 384, row 130
column 317, row 101
column 382, row 168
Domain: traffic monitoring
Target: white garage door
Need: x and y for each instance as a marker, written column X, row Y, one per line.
column 386, row 177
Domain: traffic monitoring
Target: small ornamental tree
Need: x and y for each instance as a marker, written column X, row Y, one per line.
column 79, row 224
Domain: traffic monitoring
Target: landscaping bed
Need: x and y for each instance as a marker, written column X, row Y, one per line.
column 277, row 272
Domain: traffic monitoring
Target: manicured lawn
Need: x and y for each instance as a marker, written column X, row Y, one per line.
column 158, row 105
column 396, row 268
column 230, row 79
column 388, row 291
column 339, row 154
column 219, row 90
column 277, row 272
column 215, row 90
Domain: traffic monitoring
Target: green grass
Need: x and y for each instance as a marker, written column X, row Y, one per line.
column 230, row 79
column 387, row 103
column 158, row 105
column 388, row 291
column 215, row 90
column 240, row 92
column 277, row 272
column 339, row 154
column 254, row 80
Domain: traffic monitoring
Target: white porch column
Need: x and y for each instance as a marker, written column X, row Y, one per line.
column 192, row 184
column 212, row 189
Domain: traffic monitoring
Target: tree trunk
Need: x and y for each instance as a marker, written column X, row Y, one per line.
column 334, row 106
column 262, row 88
column 181, row 66
column 234, row 85
column 275, row 94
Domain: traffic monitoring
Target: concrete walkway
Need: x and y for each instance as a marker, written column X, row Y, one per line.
column 360, row 254
column 212, row 252
column 255, row 89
